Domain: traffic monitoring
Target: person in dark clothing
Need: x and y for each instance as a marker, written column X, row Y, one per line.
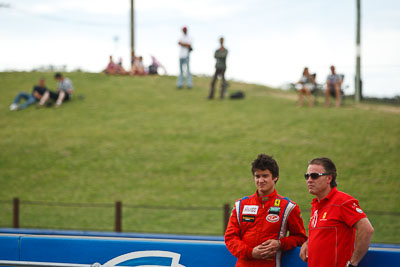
column 37, row 93
column 220, row 68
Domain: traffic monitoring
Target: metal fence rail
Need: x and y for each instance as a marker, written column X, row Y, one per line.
column 117, row 206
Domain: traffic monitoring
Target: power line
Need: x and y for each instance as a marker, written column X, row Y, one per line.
column 63, row 19
column 5, row 5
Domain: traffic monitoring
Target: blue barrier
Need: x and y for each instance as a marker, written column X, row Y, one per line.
column 376, row 258
column 291, row 258
column 107, row 234
column 147, row 249
column 9, row 248
column 88, row 251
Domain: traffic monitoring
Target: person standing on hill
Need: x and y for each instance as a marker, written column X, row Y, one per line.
column 336, row 223
column 220, row 67
column 185, row 44
column 259, row 224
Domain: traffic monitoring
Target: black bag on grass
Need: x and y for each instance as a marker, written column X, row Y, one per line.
column 237, row 95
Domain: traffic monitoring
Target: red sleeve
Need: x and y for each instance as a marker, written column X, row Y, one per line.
column 297, row 233
column 233, row 240
column 351, row 212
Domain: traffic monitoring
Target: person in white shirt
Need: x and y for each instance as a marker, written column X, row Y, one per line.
column 185, row 44
column 304, row 87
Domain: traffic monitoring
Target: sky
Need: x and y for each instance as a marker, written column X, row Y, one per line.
column 269, row 42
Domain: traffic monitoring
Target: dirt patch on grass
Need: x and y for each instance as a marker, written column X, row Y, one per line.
column 382, row 108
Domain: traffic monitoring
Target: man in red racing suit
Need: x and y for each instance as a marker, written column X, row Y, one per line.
column 258, row 226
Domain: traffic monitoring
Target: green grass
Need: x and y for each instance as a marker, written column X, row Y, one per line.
column 143, row 142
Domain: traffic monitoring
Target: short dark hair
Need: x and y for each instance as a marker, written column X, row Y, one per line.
column 58, row 75
column 265, row 162
column 329, row 167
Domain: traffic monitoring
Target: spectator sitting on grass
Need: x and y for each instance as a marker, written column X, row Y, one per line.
column 304, row 86
column 138, row 67
column 111, row 67
column 119, row 68
column 155, row 64
column 333, row 84
column 37, row 92
column 65, row 90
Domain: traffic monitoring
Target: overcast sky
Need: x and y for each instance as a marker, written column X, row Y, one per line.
column 269, row 42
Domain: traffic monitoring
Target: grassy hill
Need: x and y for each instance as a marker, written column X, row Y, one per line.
column 143, row 142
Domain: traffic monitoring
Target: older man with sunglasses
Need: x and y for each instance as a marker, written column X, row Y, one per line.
column 337, row 222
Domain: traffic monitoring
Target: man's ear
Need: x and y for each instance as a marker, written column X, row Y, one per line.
column 330, row 179
column 275, row 179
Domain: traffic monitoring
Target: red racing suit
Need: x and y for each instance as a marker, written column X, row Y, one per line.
column 257, row 219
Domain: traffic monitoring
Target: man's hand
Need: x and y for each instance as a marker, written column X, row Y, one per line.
column 257, row 252
column 271, row 247
column 304, row 252
column 363, row 239
column 266, row 250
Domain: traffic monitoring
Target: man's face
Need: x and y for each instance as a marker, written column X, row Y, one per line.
column 41, row 83
column 264, row 181
column 319, row 185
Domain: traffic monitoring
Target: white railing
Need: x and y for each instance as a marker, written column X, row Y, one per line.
column 46, row 264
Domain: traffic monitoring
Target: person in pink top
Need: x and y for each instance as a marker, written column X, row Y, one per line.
column 111, row 67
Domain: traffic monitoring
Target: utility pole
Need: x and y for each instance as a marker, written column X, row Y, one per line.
column 132, row 29
column 358, row 55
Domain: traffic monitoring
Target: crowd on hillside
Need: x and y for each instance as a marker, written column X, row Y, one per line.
column 306, row 86
column 185, row 43
column 137, row 66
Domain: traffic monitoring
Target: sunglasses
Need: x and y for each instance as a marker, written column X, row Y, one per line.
column 315, row 175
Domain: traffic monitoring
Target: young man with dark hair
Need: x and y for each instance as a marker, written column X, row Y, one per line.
column 336, row 222
column 259, row 224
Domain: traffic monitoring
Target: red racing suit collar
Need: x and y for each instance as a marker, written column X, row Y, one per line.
column 326, row 199
column 266, row 198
